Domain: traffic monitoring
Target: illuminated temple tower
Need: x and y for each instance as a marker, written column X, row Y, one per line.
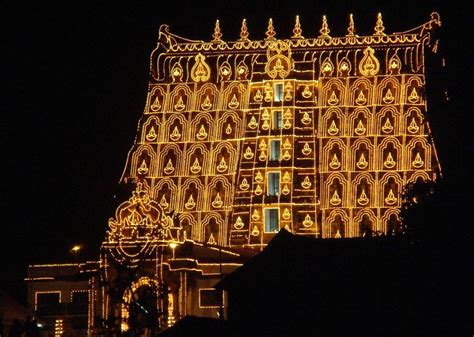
column 316, row 134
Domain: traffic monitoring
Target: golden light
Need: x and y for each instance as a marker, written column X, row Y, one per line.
column 173, row 245
column 76, row 248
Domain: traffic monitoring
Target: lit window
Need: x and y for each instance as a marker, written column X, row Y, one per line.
column 278, row 92
column 275, row 149
column 273, row 183
column 271, row 220
column 277, row 121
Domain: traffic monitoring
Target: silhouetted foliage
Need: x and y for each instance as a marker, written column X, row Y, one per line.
column 420, row 204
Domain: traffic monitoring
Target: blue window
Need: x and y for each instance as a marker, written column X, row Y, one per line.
column 277, row 121
column 275, row 145
column 278, row 92
column 271, row 220
column 273, row 183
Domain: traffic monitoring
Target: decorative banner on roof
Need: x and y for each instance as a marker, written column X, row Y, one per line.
column 369, row 65
column 138, row 223
column 279, row 62
column 200, row 72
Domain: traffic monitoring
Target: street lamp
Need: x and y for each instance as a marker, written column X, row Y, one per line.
column 173, row 246
column 75, row 250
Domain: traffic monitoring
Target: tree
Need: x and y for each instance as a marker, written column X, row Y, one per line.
column 419, row 211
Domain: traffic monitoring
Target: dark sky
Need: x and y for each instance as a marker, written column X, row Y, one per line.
column 74, row 84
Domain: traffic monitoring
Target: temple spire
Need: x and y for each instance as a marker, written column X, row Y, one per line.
column 297, row 30
column 324, row 29
column 270, row 31
column 379, row 28
column 217, row 33
column 244, row 34
column 351, row 28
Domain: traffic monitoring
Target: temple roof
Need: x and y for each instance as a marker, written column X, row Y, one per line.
column 176, row 43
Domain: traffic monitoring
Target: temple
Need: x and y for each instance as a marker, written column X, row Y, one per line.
column 314, row 134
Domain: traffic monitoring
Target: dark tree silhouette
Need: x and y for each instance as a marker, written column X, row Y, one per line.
column 421, row 202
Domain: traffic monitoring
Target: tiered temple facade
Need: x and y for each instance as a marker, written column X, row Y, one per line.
column 318, row 135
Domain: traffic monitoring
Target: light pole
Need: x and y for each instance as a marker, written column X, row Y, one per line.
column 75, row 250
column 173, row 246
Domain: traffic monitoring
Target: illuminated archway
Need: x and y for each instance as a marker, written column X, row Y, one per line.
column 139, row 305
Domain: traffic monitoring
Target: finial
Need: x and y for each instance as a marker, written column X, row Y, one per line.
column 324, row 29
column 436, row 19
column 379, row 28
column 297, row 30
column 351, row 29
column 217, row 33
column 270, row 31
column 244, row 34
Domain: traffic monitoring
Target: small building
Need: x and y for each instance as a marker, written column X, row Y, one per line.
column 301, row 286
column 59, row 297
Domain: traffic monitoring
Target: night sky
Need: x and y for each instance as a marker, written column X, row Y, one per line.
column 74, row 85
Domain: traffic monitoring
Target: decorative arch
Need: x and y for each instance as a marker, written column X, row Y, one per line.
column 391, row 224
column 229, row 125
column 176, row 129
column 413, row 122
column 363, row 192
column 390, row 189
column 191, row 195
column 332, row 122
column 360, row 122
column 335, row 186
column 189, row 227
column 151, row 130
column 388, row 91
column 365, row 222
column 389, row 150
column 387, row 122
column 224, row 157
column 207, row 97
column 143, row 161
column 414, row 91
column 233, row 96
column 334, row 155
column 127, row 297
column 165, row 192
column 418, row 154
column 156, row 100
column 213, row 229
column 181, row 99
column 219, row 185
column 361, row 157
column 172, row 160
column 197, row 159
column 202, row 127
column 337, row 224
column 334, row 93
column 361, row 92
column 419, row 175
